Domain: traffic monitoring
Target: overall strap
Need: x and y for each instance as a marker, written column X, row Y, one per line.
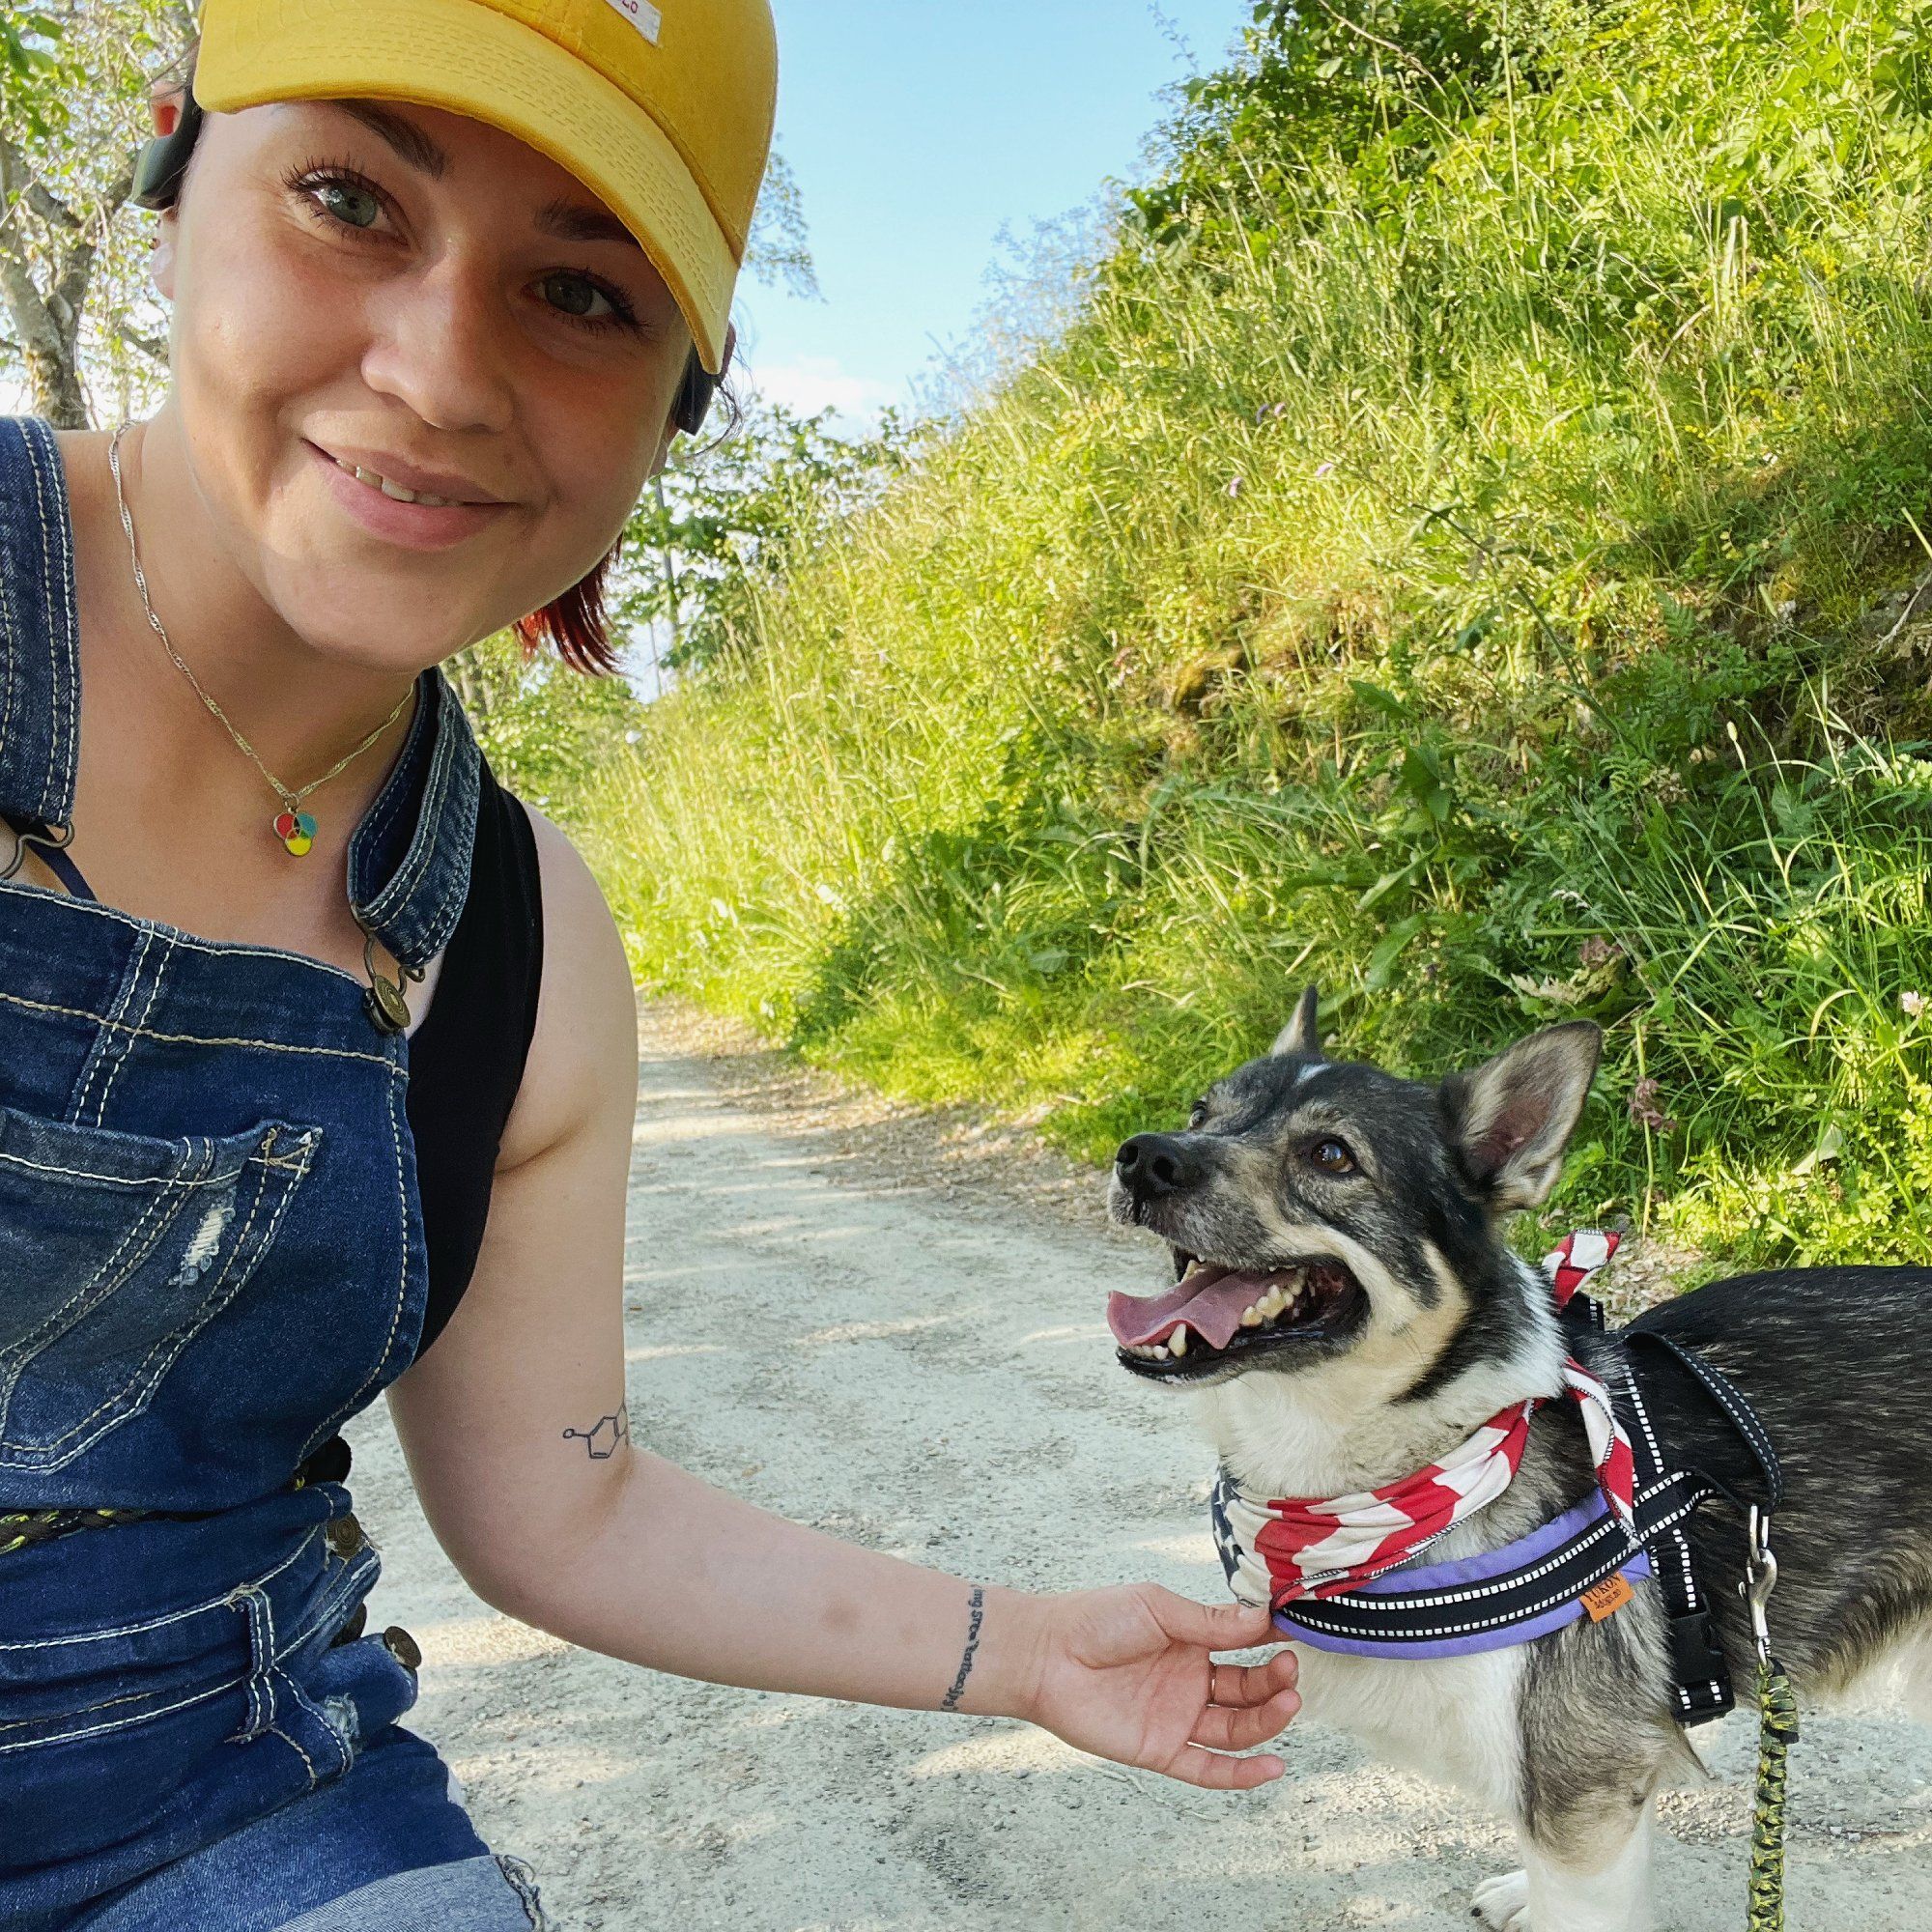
column 39, row 628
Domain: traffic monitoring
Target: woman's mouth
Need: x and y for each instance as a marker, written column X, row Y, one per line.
column 416, row 519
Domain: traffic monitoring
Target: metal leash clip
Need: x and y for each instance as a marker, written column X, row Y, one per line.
column 1760, row 1580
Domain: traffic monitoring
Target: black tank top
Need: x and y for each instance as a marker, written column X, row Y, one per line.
column 467, row 1056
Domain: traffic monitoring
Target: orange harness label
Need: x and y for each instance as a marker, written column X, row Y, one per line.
column 1605, row 1599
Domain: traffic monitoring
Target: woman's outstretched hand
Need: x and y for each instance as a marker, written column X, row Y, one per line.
column 1129, row 1674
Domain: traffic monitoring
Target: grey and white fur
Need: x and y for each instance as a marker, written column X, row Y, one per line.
column 1422, row 1323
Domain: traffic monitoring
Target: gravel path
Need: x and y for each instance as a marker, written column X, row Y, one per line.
column 888, row 1323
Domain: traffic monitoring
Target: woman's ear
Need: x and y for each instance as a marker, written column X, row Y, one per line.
column 161, row 254
column 164, row 105
column 165, row 100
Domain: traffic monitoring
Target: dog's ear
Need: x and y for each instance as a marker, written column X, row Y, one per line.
column 1510, row 1118
column 1303, row 1034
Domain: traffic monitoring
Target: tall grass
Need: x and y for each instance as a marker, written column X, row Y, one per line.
column 1466, row 594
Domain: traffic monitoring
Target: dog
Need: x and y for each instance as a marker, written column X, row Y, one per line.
column 1357, row 1218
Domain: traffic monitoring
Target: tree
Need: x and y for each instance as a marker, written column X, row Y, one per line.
column 73, row 118
column 724, row 519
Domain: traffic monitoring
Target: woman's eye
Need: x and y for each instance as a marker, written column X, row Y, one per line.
column 354, row 207
column 1332, row 1157
column 577, row 296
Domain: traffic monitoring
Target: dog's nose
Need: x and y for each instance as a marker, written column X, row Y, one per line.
column 1156, row 1164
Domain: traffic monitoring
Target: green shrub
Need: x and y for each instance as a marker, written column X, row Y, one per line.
column 1445, row 560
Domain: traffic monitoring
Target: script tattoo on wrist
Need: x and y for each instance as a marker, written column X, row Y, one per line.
column 605, row 1436
column 976, row 1615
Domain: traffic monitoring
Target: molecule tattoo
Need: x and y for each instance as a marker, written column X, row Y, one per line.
column 605, row 1436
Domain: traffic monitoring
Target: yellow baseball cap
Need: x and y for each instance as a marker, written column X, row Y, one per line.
column 663, row 110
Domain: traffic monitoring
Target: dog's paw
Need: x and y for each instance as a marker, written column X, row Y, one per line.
column 1502, row 1904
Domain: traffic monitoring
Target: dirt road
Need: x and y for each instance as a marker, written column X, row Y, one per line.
column 833, row 1314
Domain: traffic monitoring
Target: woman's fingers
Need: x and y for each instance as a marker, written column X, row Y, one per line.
column 1221, row 1729
column 1212, row 1626
column 1212, row 1771
column 1238, row 1684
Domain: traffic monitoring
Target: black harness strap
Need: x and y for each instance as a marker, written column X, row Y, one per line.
column 1667, row 1495
column 1589, row 1557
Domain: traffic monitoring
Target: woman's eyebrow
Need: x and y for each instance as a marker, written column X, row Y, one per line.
column 571, row 221
column 402, row 134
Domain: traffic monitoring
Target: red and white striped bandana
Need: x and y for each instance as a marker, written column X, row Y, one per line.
column 1320, row 1547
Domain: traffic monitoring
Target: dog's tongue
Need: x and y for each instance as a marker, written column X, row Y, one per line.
column 1210, row 1301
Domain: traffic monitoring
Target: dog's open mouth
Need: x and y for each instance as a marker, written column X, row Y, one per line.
column 1215, row 1315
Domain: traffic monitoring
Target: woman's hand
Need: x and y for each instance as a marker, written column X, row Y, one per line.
column 1128, row 1674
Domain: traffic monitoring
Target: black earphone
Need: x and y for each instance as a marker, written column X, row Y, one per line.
column 158, row 178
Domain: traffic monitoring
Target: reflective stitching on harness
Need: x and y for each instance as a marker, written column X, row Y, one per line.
column 1470, row 1628
column 1472, row 1592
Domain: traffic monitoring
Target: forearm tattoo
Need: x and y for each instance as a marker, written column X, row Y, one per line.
column 605, row 1436
column 976, row 1606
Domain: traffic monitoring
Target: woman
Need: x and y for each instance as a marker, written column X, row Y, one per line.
column 315, row 1047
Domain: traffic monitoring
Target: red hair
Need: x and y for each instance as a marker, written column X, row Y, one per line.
column 575, row 624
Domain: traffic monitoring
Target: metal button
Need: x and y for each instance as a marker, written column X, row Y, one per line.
column 403, row 1647
column 345, row 1536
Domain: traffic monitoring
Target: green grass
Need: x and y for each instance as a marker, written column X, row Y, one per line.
column 1455, row 586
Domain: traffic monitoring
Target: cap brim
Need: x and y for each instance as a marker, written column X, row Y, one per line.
column 475, row 61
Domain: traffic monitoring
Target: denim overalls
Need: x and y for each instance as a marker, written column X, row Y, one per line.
column 211, row 1255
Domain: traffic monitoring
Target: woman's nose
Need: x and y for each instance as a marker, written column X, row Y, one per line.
column 443, row 344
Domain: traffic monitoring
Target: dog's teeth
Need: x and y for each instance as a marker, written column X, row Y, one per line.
column 1177, row 1341
column 1159, row 1353
column 1252, row 1317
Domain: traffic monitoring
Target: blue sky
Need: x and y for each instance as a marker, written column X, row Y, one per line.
column 917, row 129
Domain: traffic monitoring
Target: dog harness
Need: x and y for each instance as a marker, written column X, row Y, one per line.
column 1320, row 1564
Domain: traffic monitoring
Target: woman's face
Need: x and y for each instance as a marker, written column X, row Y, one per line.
column 403, row 288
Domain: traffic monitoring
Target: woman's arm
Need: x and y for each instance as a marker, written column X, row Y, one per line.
column 518, row 1438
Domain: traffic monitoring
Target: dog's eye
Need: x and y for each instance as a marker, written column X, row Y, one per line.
column 1198, row 1113
column 1332, row 1157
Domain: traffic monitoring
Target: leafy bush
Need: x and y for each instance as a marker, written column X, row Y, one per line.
column 1460, row 554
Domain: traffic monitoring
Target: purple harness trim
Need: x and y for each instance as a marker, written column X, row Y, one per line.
column 1467, row 1570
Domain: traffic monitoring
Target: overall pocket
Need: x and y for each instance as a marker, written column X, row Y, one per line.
column 116, row 1250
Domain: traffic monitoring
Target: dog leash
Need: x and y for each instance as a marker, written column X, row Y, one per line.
column 1778, row 1732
